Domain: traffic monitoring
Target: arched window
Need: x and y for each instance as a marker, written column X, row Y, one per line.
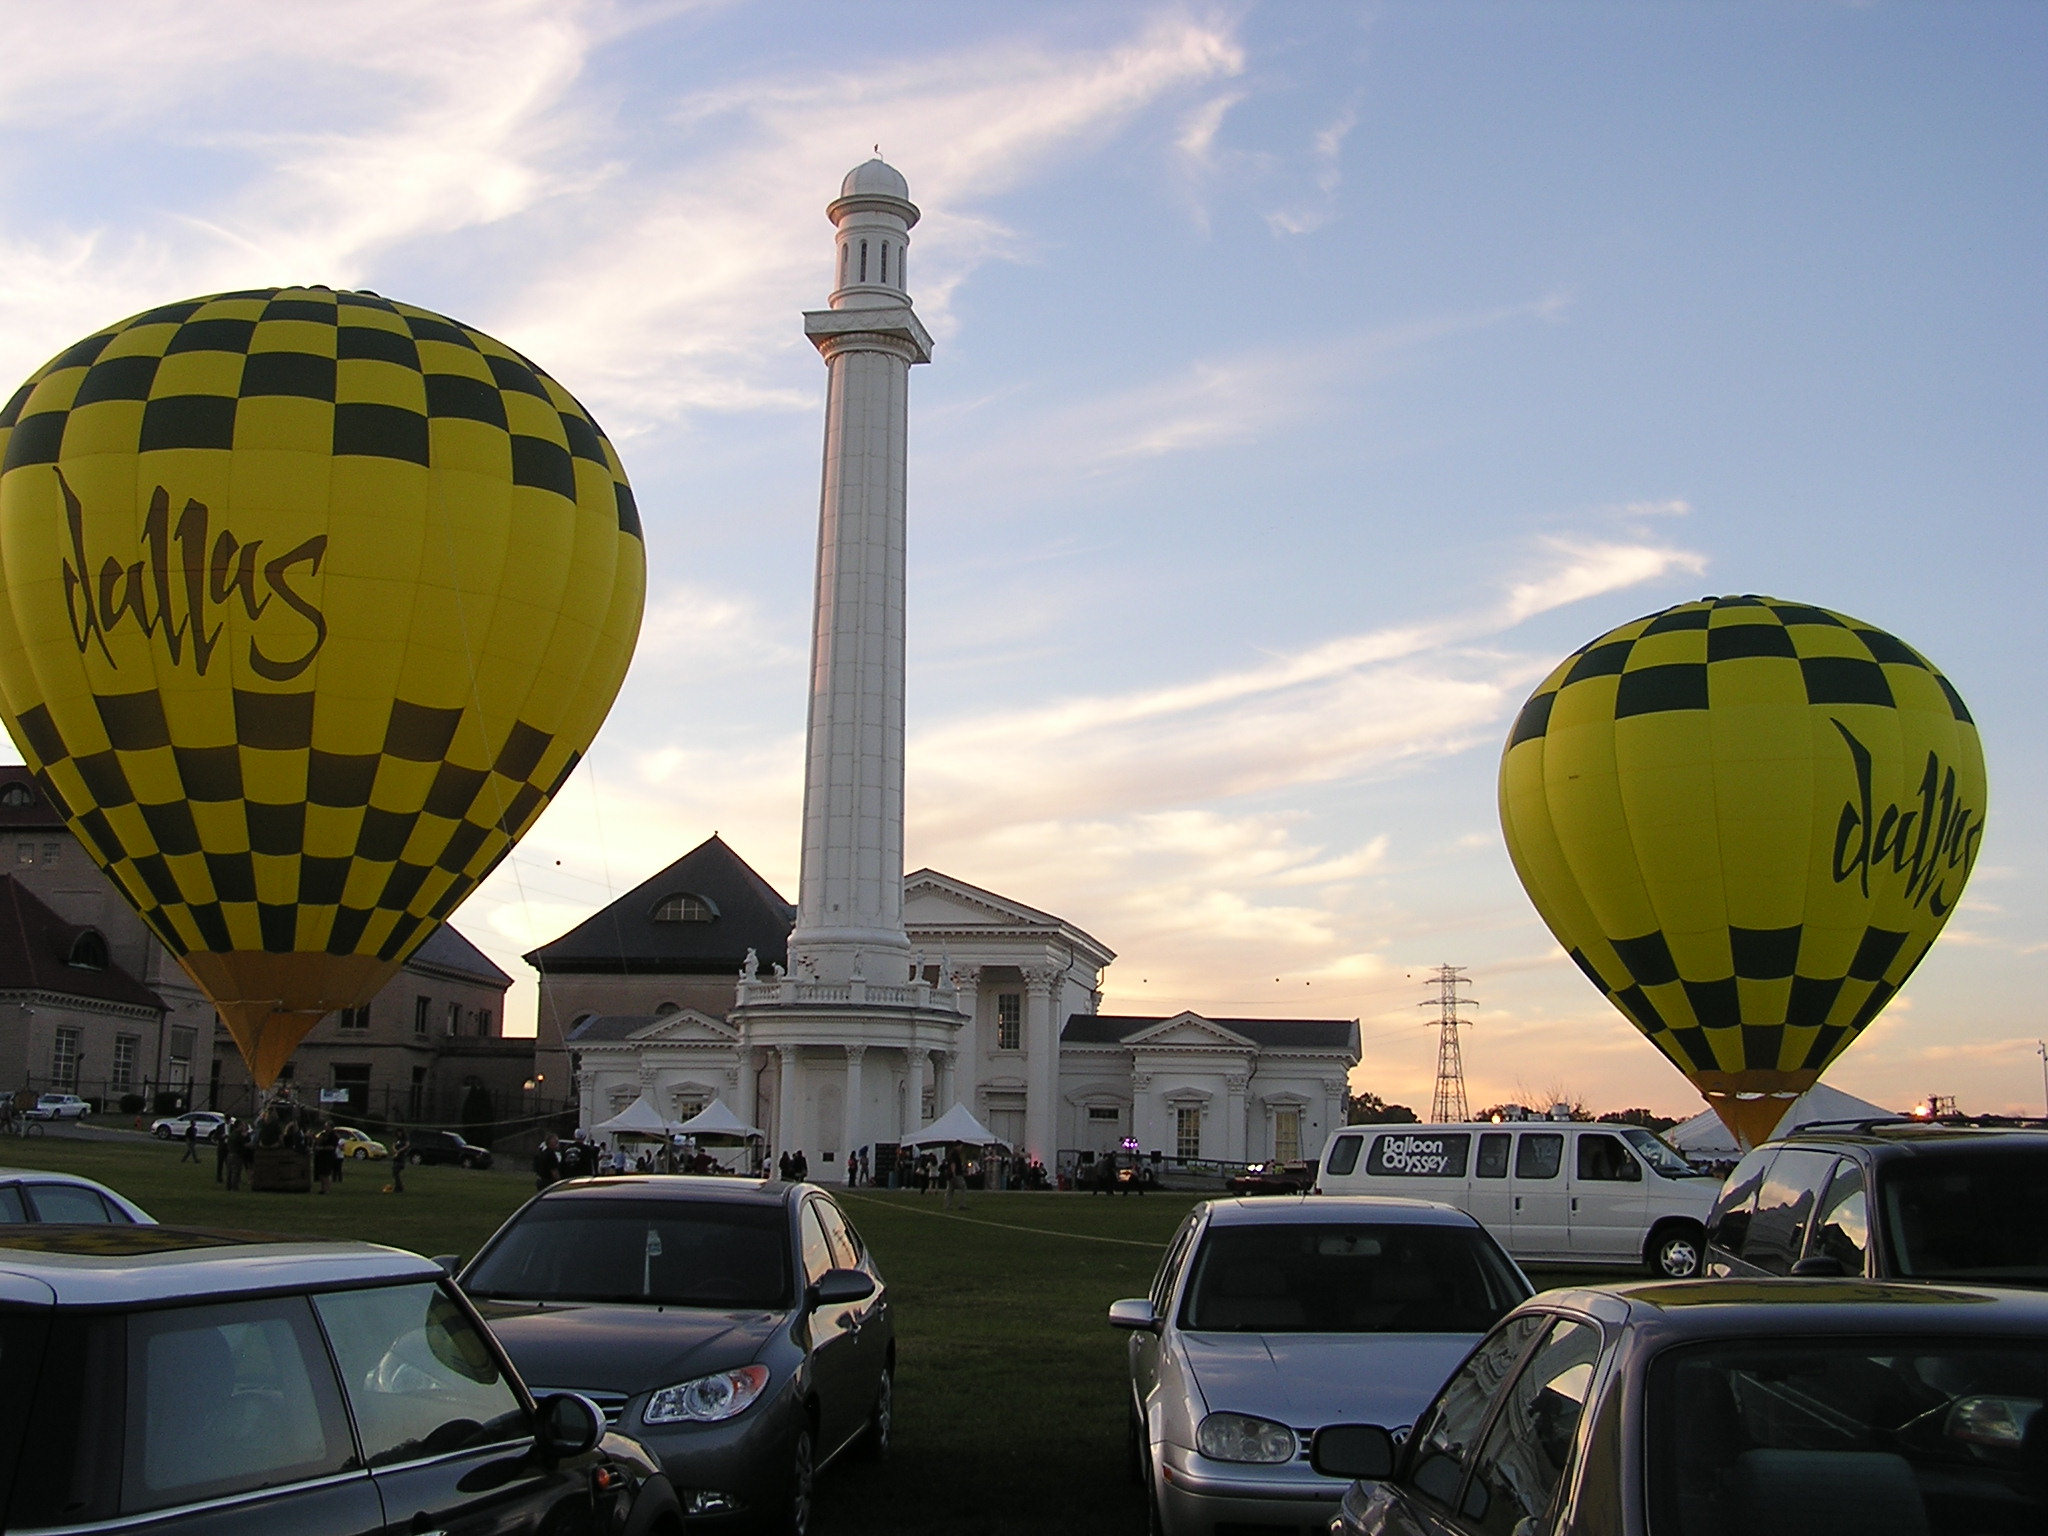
column 17, row 796
column 844, row 253
column 885, row 263
column 664, row 1008
column 863, row 261
column 88, row 951
column 682, row 907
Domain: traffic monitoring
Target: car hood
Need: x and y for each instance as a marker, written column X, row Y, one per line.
column 1305, row 1380
column 623, row 1349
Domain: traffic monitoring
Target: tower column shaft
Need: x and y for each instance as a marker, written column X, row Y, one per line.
column 851, row 886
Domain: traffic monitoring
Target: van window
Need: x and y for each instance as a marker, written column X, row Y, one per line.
column 1493, row 1155
column 1784, row 1202
column 1343, row 1156
column 1604, row 1160
column 1729, row 1223
column 1427, row 1155
column 1539, row 1154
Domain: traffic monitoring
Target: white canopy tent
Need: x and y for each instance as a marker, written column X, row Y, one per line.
column 714, row 1119
column 1704, row 1139
column 638, row 1118
column 956, row 1125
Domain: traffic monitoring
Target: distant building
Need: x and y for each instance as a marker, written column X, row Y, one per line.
column 429, row 1047
column 69, row 1015
column 640, row 998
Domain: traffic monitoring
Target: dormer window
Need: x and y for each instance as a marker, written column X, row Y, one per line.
column 17, row 796
column 88, row 951
column 683, row 907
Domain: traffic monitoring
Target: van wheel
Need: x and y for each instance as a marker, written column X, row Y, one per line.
column 1676, row 1251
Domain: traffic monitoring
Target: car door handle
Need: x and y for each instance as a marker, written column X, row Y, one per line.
column 1518, row 1202
column 1575, row 1202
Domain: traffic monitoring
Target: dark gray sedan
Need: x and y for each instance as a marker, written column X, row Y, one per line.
column 1710, row 1407
column 737, row 1328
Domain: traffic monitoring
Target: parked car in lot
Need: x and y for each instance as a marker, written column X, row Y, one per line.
column 1765, row 1408
column 211, row 1126
column 1908, row 1200
column 739, row 1328
column 58, row 1106
column 1271, row 1318
column 172, row 1380
column 445, row 1147
column 358, row 1144
column 1552, row 1191
column 34, row 1195
column 1271, row 1179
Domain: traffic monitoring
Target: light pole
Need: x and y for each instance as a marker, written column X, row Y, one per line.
column 2041, row 1049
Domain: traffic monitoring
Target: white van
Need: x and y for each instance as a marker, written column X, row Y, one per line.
column 1550, row 1191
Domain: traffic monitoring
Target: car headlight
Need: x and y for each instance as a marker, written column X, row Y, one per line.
column 1240, row 1437
column 708, row 1399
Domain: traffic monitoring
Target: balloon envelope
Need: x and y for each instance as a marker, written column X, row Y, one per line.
column 1746, row 820
column 309, row 602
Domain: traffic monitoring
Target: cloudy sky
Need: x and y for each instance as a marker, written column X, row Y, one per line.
column 1309, row 378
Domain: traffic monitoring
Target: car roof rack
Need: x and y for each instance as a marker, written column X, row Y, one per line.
column 1873, row 1124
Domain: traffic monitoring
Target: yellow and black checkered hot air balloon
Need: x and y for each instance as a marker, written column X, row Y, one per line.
column 1746, row 820
column 309, row 602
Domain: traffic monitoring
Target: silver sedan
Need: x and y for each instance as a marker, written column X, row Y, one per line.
column 1270, row 1318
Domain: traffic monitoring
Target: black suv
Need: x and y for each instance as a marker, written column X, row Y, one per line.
column 175, row 1380
column 1890, row 1199
column 444, row 1147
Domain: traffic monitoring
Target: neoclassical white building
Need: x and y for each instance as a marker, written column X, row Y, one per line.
column 641, row 1014
column 877, row 1002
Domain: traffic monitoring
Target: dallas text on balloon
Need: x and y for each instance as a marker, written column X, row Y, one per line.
column 175, row 591
column 1944, row 839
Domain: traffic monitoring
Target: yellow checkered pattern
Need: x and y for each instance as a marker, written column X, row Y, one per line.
column 311, row 602
column 1746, row 820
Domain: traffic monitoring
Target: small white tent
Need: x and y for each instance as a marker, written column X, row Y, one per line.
column 957, row 1124
column 638, row 1118
column 714, row 1119
column 1704, row 1139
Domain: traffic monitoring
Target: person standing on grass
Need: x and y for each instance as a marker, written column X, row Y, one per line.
column 399, row 1150
column 191, row 1142
column 232, row 1140
column 547, row 1163
column 956, row 1180
column 220, row 1154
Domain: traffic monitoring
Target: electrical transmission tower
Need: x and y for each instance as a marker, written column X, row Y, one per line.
column 1449, row 1107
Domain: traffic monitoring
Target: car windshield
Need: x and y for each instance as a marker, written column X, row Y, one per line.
column 681, row 1253
column 1871, row 1435
column 1969, row 1216
column 1349, row 1278
column 1660, row 1157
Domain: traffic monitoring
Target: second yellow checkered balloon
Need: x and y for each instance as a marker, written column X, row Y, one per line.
column 1746, row 820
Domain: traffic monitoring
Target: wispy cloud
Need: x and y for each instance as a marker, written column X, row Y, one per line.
column 1326, row 151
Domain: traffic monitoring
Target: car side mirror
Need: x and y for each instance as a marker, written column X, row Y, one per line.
column 449, row 1262
column 1135, row 1314
column 570, row 1425
column 1818, row 1266
column 1352, row 1450
column 840, row 1287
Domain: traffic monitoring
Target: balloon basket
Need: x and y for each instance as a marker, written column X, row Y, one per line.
column 282, row 1171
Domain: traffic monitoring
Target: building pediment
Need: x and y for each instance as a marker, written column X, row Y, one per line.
column 945, row 907
column 683, row 1026
column 1187, row 1030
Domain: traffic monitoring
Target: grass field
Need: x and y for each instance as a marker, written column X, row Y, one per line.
column 1010, row 1387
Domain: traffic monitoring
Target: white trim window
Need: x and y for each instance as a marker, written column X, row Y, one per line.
column 1009, row 1021
column 1287, row 1135
column 1187, row 1132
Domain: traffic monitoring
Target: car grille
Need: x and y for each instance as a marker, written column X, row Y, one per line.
column 613, row 1404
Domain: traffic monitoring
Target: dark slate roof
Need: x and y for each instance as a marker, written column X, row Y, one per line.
column 625, row 939
column 37, row 813
column 447, row 950
column 35, row 952
column 1268, row 1034
column 612, row 1026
